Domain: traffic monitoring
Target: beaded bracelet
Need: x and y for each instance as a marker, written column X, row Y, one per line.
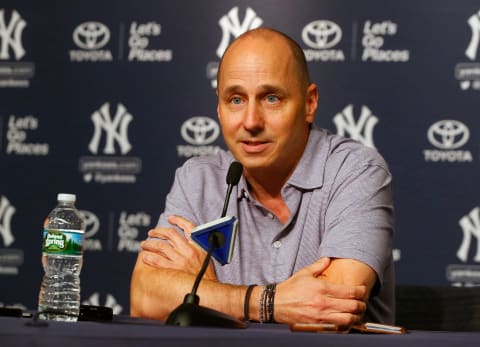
column 261, row 308
column 266, row 304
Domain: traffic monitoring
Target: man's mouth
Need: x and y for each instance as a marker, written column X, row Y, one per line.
column 254, row 146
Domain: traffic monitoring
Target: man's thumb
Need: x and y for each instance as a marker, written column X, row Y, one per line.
column 319, row 266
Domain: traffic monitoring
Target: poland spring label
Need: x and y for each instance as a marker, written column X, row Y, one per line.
column 62, row 241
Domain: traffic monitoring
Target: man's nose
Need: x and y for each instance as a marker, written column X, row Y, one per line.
column 254, row 118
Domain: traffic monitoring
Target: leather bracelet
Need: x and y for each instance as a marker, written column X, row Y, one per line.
column 246, row 303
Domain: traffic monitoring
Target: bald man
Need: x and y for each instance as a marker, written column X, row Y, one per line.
column 315, row 210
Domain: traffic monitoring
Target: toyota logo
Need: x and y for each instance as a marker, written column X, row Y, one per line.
column 200, row 130
column 448, row 134
column 321, row 34
column 92, row 224
column 91, row 35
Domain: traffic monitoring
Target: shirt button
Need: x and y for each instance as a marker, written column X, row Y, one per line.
column 270, row 215
column 277, row 244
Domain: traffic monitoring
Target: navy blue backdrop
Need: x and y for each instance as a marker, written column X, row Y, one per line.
column 106, row 99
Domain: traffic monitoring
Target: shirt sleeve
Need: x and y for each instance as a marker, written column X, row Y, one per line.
column 177, row 200
column 359, row 219
column 197, row 192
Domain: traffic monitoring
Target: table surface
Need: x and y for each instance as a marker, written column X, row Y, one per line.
column 127, row 331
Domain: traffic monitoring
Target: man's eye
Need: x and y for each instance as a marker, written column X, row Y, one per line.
column 236, row 100
column 272, row 98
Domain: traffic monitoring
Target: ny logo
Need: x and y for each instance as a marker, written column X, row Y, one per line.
column 111, row 302
column 6, row 213
column 472, row 49
column 92, row 223
column 470, row 225
column 230, row 24
column 345, row 123
column 115, row 130
column 10, row 35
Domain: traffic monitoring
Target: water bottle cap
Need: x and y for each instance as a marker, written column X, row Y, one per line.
column 66, row 197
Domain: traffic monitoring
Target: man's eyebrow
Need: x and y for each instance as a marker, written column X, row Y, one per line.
column 232, row 89
column 264, row 88
column 269, row 88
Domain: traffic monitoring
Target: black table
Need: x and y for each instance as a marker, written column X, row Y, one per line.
column 126, row 331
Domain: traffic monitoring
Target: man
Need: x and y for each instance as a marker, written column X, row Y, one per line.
column 315, row 210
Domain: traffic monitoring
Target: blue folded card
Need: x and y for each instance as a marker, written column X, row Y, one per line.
column 228, row 227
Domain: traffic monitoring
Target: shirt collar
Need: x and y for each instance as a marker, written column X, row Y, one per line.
column 309, row 172
column 242, row 191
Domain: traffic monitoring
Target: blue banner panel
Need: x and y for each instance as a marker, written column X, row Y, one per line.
column 106, row 100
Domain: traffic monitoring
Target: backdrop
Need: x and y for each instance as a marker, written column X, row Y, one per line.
column 106, row 99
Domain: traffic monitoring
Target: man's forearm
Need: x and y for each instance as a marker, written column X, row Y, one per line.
column 304, row 297
column 154, row 293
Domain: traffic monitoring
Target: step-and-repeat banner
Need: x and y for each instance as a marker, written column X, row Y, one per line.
column 106, row 99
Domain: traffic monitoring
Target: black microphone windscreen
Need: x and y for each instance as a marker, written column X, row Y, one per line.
column 234, row 173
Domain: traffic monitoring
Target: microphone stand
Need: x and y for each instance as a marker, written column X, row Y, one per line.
column 190, row 313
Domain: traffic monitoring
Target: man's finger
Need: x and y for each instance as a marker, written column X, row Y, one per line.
column 343, row 291
column 319, row 266
column 155, row 259
column 154, row 233
column 176, row 239
column 183, row 223
column 351, row 306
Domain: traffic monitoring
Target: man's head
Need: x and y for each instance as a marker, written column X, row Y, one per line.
column 267, row 34
column 266, row 102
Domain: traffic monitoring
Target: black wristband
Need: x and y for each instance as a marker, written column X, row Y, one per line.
column 246, row 303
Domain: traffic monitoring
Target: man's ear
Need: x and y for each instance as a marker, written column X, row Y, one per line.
column 218, row 103
column 311, row 103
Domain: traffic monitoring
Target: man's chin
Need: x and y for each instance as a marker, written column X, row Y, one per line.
column 253, row 161
column 254, row 164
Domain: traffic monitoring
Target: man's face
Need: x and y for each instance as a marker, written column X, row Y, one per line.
column 264, row 109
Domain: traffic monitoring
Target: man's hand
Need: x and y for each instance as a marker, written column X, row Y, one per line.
column 168, row 249
column 310, row 297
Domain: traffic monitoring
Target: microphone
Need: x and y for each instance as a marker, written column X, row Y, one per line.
column 190, row 313
column 233, row 177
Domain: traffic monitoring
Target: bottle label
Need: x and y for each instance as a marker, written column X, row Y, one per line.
column 62, row 241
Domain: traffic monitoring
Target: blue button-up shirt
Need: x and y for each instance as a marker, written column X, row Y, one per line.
column 340, row 203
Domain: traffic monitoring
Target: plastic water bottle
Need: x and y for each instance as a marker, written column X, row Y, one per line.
column 59, row 297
